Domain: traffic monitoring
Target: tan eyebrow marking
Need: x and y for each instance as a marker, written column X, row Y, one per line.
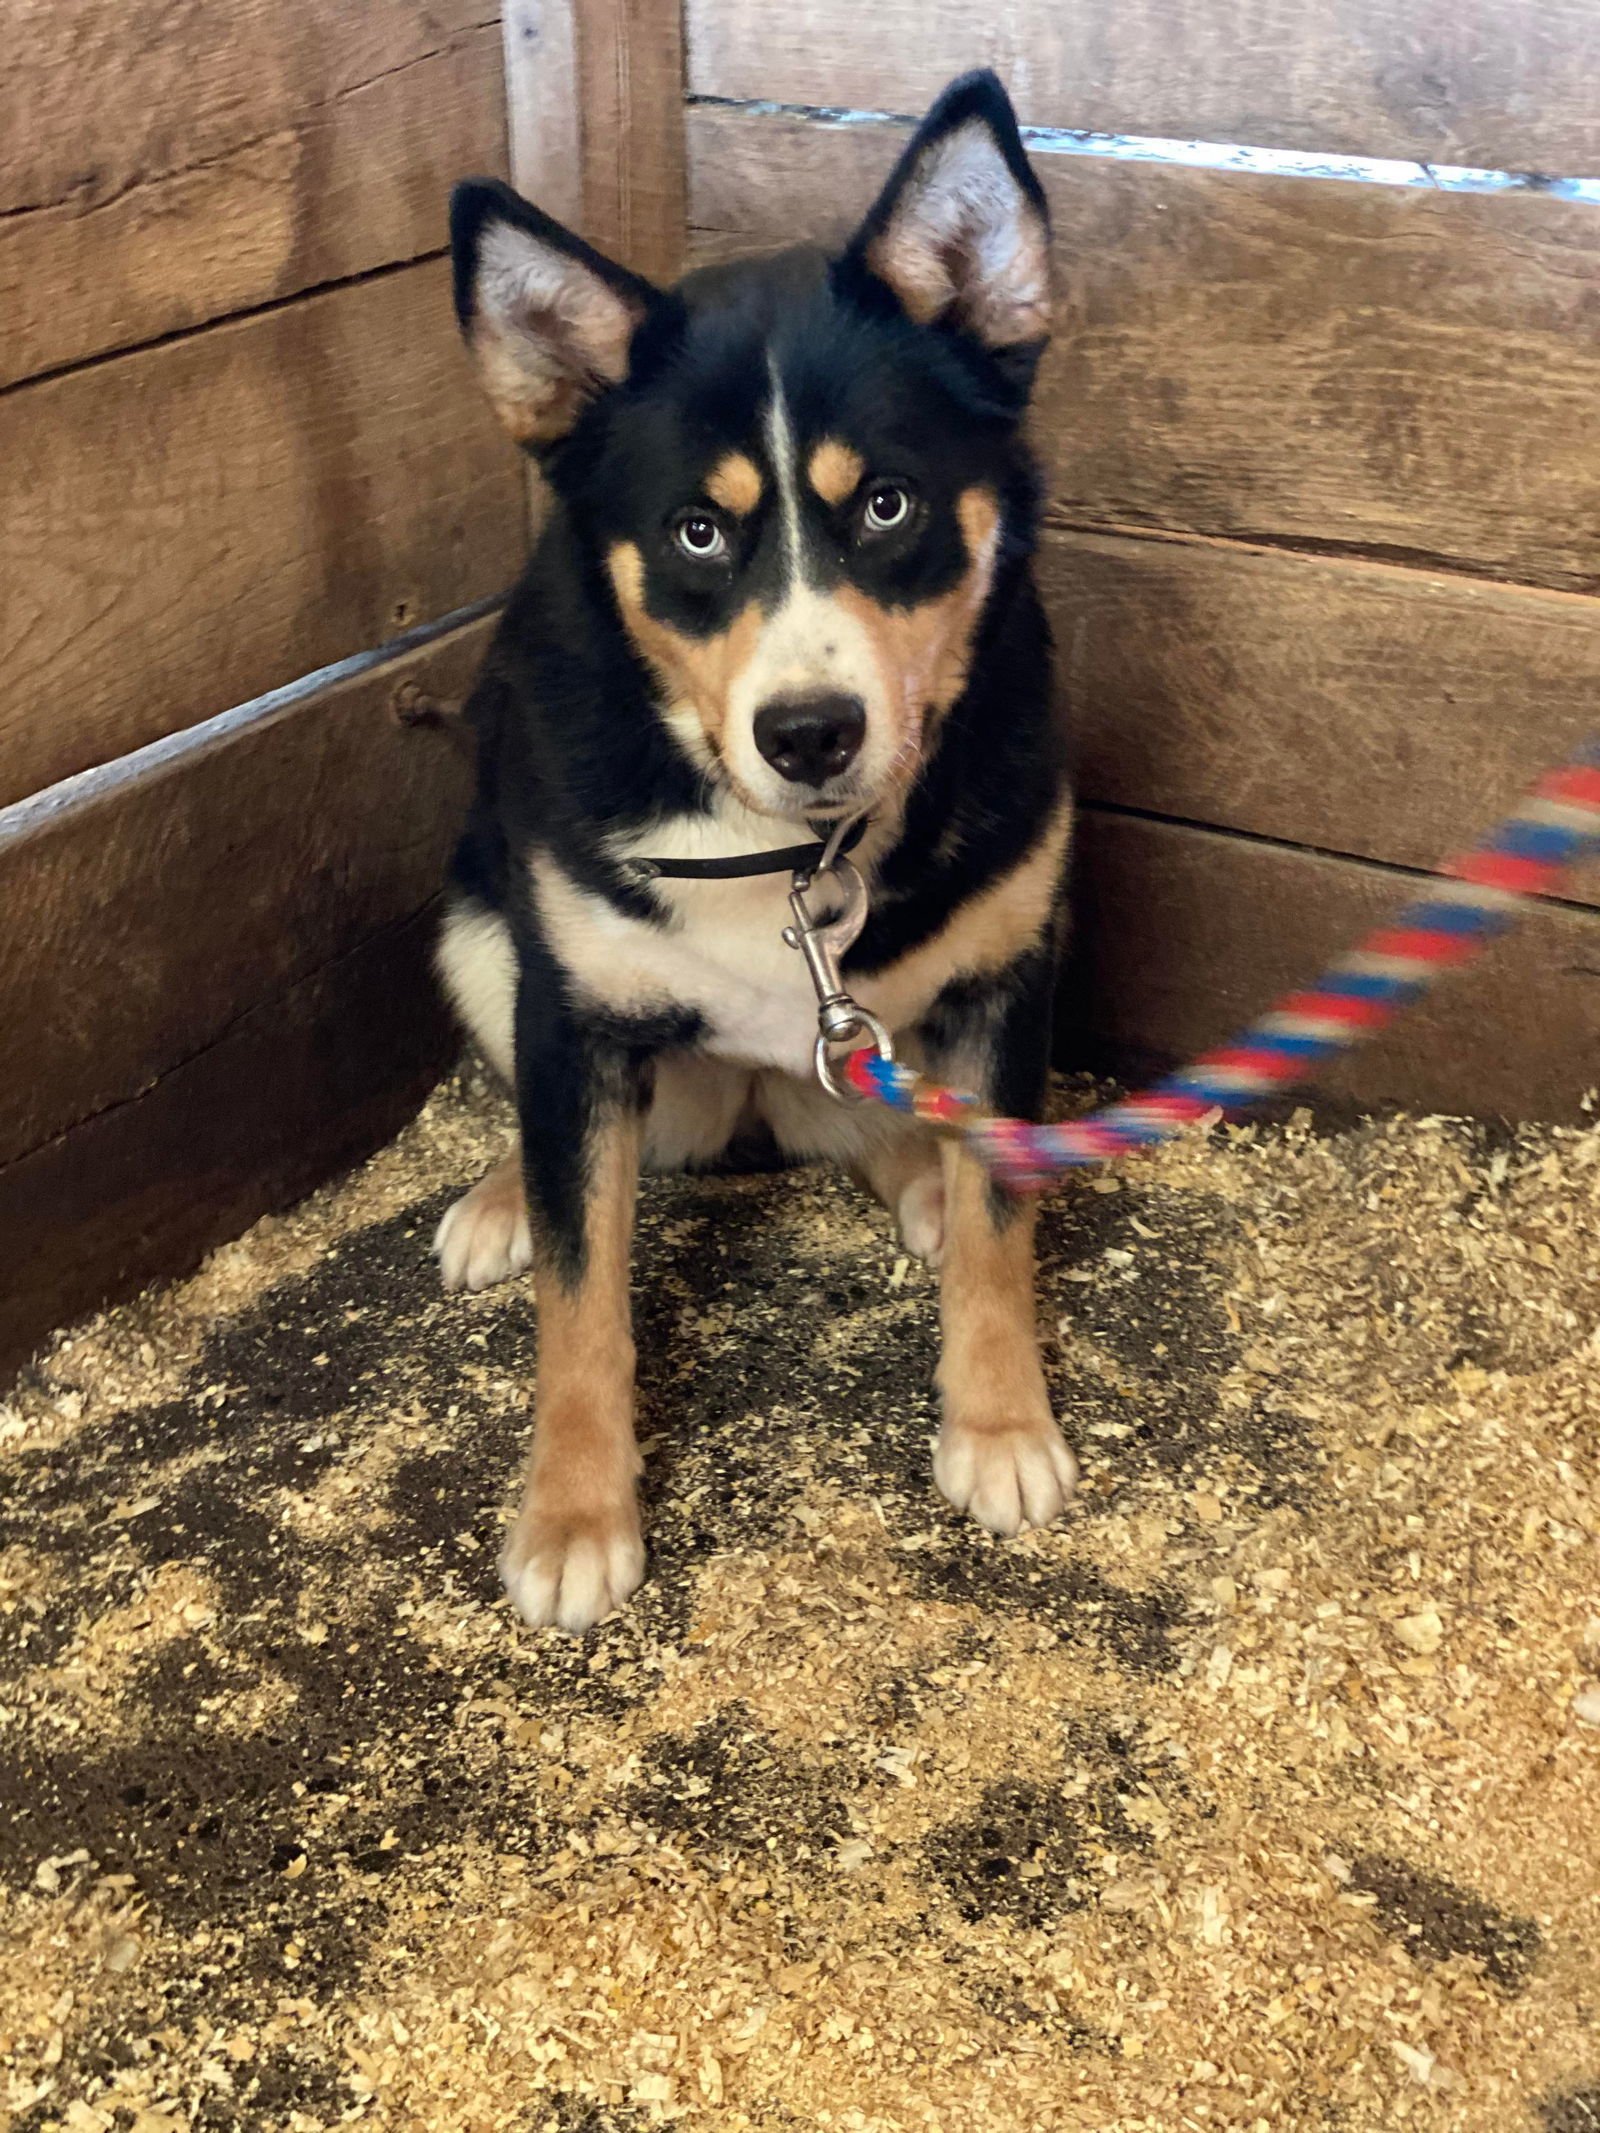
column 835, row 470
column 735, row 484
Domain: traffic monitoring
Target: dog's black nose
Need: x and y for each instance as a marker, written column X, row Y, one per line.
column 810, row 739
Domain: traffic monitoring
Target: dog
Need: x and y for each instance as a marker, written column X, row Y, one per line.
column 784, row 586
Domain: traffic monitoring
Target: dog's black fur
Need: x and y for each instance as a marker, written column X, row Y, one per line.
column 576, row 756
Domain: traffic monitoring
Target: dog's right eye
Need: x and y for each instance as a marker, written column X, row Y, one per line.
column 700, row 538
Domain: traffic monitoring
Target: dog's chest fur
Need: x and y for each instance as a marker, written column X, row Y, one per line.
column 722, row 953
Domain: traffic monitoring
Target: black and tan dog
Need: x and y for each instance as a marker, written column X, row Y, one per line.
column 785, row 581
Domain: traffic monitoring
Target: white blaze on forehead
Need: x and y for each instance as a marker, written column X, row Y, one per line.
column 785, row 455
column 807, row 641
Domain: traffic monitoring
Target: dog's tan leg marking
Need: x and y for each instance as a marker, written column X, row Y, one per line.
column 908, row 1177
column 574, row 1551
column 484, row 1237
column 1000, row 1455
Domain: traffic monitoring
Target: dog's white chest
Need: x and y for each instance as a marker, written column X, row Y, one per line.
column 721, row 954
column 732, row 964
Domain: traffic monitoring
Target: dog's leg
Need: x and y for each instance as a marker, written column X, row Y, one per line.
column 906, row 1175
column 484, row 1237
column 574, row 1551
column 894, row 1160
column 1000, row 1455
column 477, row 963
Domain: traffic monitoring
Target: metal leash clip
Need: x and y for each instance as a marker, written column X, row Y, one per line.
column 824, row 943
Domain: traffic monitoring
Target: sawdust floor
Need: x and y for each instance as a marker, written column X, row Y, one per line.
column 1264, row 1792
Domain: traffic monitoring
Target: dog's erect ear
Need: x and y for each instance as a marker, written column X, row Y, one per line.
column 548, row 318
column 961, row 231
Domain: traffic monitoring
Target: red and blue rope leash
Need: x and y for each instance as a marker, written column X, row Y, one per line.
column 1478, row 896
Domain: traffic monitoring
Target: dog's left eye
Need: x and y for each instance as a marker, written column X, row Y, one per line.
column 701, row 539
column 887, row 507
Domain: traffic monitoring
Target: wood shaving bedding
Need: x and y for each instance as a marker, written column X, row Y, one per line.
column 1261, row 1793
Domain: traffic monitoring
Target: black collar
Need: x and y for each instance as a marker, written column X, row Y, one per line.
column 792, row 859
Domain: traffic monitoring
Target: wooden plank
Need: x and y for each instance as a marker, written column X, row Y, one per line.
column 190, row 526
column 630, row 95
column 298, row 1090
column 1501, row 84
column 215, row 981
column 595, row 96
column 1369, row 710
column 161, row 166
column 597, row 124
column 1183, row 935
column 544, row 113
column 1403, row 373
column 148, row 915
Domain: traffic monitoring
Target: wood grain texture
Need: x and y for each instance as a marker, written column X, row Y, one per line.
column 544, row 114
column 594, row 90
column 146, row 919
column 630, row 96
column 597, row 123
column 1409, row 374
column 1503, row 84
column 1183, row 935
column 298, row 1089
column 163, row 164
column 189, row 526
column 1369, row 710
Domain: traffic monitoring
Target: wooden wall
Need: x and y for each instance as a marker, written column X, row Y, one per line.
column 238, row 444
column 1500, row 84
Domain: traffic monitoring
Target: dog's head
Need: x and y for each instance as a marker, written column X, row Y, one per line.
column 795, row 473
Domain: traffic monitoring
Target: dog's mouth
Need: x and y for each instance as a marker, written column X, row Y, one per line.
column 836, row 800
column 878, row 774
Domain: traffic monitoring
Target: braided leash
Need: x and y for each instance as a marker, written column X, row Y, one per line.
column 1480, row 894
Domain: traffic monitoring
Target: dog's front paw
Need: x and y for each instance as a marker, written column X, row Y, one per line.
column 484, row 1237
column 572, row 1566
column 1007, row 1475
